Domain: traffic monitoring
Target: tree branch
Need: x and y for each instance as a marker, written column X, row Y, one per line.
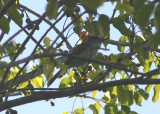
column 43, row 95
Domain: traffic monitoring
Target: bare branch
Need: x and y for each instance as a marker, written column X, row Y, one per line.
column 43, row 95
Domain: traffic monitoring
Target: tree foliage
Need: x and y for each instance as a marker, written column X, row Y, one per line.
column 118, row 75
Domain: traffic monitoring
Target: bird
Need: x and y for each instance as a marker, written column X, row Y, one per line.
column 88, row 49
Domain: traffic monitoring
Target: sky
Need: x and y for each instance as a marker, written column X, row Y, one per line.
column 66, row 104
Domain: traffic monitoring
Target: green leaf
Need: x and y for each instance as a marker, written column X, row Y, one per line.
column 146, row 66
column 92, row 5
column 141, row 16
column 46, row 42
column 121, row 93
column 125, row 109
column 15, row 15
column 64, row 83
column 138, row 4
column 156, row 90
column 38, row 82
column 124, row 7
column 48, row 68
column 65, row 112
column 78, row 111
column 4, row 24
column 70, row 4
column 133, row 112
column 111, row 108
column 157, row 17
column 119, row 24
column 104, row 23
column 94, row 93
column 143, row 94
column 23, row 85
column 138, row 98
column 154, row 40
column 97, row 106
column 93, row 108
column 148, row 88
column 52, row 8
column 122, row 39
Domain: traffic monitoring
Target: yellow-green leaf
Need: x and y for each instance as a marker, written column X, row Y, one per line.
column 97, row 106
column 148, row 88
column 78, row 111
column 65, row 112
column 38, row 82
column 47, row 41
column 64, row 83
column 94, row 93
column 156, row 90
column 23, row 85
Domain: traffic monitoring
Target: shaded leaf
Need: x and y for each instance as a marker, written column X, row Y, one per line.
column 51, row 10
column 157, row 17
column 111, row 108
column 4, row 24
column 143, row 94
column 46, row 41
column 138, row 98
column 92, row 5
column 119, row 24
column 141, row 16
column 15, row 15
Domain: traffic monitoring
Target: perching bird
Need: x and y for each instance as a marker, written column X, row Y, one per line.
column 88, row 49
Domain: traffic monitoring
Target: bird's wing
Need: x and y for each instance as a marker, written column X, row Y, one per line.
column 77, row 51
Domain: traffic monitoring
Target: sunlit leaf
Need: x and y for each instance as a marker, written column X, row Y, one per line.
column 23, row 85
column 65, row 112
column 94, row 93
column 148, row 88
column 78, row 111
column 156, row 90
column 38, row 82
column 64, row 83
